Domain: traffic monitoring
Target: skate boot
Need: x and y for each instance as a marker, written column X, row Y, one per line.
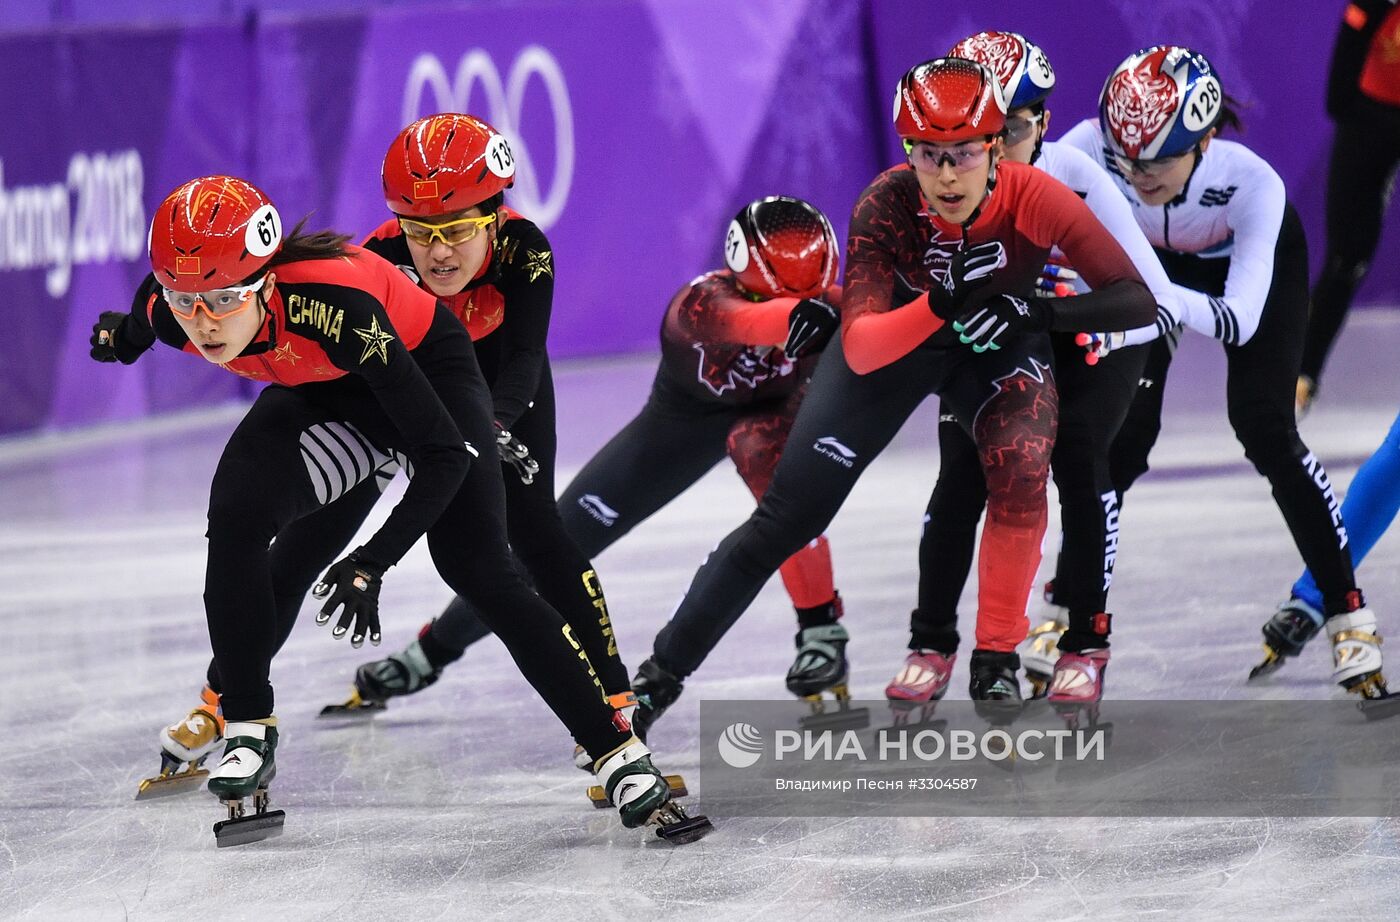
column 401, row 673
column 186, row 744
column 642, row 796
column 915, row 691
column 1291, row 627
column 625, row 704
column 1040, row 651
column 1077, row 686
column 247, row 768
column 656, row 690
column 994, row 689
column 821, row 666
column 1356, row 662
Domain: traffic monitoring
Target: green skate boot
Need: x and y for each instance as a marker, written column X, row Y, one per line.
column 247, row 768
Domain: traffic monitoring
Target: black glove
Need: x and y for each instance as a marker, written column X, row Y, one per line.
column 356, row 583
column 108, row 344
column 515, row 453
column 970, row 270
column 1000, row 318
column 811, row 324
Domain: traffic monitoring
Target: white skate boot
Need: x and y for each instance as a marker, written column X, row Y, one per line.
column 1356, row 653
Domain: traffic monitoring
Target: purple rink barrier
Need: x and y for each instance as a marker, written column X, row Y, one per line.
column 633, row 153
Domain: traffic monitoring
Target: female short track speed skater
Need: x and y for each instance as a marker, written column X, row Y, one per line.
column 495, row 270
column 738, row 346
column 944, row 252
column 1363, row 98
column 363, row 365
column 1093, row 403
column 1220, row 221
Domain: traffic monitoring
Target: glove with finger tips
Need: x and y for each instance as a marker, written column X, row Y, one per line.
column 108, row 344
column 811, row 324
column 1098, row 345
column 999, row 319
column 969, row 270
column 352, row 582
column 1056, row 281
column 515, row 453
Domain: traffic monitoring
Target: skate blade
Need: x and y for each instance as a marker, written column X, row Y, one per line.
column 913, row 713
column 600, row 797
column 170, row 785
column 1380, row 708
column 355, row 706
column 1271, row 664
column 682, row 832
column 999, row 713
column 840, row 719
column 247, row 829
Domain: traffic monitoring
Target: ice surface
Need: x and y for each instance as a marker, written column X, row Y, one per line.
column 461, row 803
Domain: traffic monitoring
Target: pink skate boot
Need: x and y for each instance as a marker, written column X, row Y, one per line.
column 918, row 686
column 1077, row 685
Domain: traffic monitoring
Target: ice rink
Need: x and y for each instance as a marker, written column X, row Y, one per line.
column 462, row 803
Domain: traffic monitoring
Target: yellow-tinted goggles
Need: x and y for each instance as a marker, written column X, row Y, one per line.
column 452, row 233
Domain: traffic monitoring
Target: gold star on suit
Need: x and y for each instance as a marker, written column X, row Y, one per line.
column 538, row 263
column 376, row 341
column 285, row 353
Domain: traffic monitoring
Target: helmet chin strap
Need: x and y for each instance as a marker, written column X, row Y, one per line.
column 1196, row 155
column 991, row 185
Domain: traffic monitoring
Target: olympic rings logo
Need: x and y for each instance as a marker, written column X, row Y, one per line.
column 503, row 102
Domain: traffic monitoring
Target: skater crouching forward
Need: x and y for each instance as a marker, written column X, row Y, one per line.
column 362, row 365
column 943, row 256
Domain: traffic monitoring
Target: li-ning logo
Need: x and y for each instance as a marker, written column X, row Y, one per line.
column 740, row 745
column 504, row 110
column 595, row 507
column 828, row 445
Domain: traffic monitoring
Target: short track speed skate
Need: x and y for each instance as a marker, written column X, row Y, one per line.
column 1356, row 662
column 401, row 673
column 249, row 765
column 1076, row 689
column 919, row 685
column 643, row 796
column 821, row 666
column 1285, row 634
column 994, row 688
column 184, row 747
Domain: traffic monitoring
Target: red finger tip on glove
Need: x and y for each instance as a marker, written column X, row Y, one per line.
column 1091, row 358
column 1083, row 339
column 1064, row 290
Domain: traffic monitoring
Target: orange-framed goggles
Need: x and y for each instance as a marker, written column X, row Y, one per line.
column 451, row 233
column 219, row 304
